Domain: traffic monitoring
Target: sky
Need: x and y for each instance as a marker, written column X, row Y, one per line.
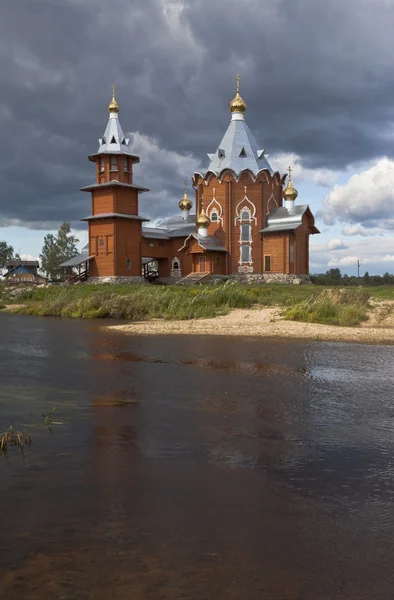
column 317, row 77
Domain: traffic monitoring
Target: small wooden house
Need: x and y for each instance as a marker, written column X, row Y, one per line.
column 23, row 271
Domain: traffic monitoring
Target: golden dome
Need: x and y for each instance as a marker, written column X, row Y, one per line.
column 237, row 104
column 290, row 193
column 203, row 220
column 185, row 203
column 113, row 106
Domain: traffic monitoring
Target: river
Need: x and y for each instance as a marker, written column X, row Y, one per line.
column 194, row 468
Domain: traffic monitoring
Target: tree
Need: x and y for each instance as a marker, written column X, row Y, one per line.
column 49, row 263
column 366, row 278
column 57, row 249
column 6, row 253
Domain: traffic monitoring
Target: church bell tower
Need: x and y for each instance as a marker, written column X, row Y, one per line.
column 114, row 224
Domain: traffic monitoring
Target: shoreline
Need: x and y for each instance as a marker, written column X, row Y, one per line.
column 260, row 322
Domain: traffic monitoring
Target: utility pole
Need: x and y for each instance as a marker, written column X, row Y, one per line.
column 358, row 268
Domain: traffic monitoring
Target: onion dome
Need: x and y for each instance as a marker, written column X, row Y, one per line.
column 237, row 104
column 185, row 203
column 203, row 221
column 113, row 106
column 290, row 193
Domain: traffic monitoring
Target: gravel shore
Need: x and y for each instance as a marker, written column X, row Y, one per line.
column 265, row 322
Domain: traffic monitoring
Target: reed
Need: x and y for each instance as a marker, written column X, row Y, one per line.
column 12, row 437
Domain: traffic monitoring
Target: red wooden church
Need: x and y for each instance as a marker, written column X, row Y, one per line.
column 246, row 223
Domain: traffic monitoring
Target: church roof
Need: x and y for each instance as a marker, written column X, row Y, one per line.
column 208, row 242
column 114, row 215
column 177, row 221
column 114, row 140
column 238, row 151
column 77, row 260
column 114, row 183
column 283, row 219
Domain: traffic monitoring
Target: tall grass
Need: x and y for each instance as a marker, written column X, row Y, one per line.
column 152, row 302
column 311, row 304
column 346, row 307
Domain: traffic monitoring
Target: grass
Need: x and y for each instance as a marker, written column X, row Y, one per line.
column 346, row 307
column 313, row 304
column 151, row 302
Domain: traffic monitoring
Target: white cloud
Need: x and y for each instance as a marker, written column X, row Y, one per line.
column 367, row 199
column 375, row 254
column 322, row 177
column 336, row 244
column 352, row 230
column 345, row 261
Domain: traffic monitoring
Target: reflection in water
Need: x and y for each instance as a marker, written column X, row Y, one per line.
column 199, row 468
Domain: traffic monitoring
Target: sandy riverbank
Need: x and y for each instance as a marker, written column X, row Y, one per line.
column 266, row 322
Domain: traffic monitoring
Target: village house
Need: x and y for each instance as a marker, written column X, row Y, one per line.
column 23, row 271
column 247, row 222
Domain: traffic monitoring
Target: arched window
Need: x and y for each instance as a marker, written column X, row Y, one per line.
column 128, row 264
column 245, row 238
column 214, row 216
column 102, row 165
column 176, row 265
column 126, row 164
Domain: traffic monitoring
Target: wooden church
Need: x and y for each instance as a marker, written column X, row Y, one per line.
column 247, row 222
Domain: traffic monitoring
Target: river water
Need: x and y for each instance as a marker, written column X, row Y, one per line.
column 194, row 468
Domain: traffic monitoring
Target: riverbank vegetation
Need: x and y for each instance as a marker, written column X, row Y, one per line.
column 307, row 303
column 144, row 302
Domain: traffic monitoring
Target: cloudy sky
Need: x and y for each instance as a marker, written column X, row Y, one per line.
column 318, row 78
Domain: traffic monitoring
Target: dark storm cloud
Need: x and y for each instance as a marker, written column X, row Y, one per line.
column 317, row 77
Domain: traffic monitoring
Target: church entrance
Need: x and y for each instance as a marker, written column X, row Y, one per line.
column 201, row 262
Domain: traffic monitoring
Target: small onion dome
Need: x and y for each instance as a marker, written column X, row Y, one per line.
column 237, row 104
column 113, row 106
column 185, row 203
column 290, row 193
column 203, row 220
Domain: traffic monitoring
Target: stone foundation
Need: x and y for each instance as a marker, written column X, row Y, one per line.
column 270, row 278
column 117, row 280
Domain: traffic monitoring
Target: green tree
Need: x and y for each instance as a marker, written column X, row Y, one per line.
column 57, row 249
column 366, row 278
column 6, row 253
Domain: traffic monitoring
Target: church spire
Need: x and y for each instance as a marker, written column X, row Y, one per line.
column 289, row 193
column 113, row 106
column 237, row 105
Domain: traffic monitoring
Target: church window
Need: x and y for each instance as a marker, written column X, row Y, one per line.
column 150, row 243
column 101, row 242
column 291, row 252
column 245, row 215
column 124, row 141
column 214, row 216
column 245, row 253
column 243, row 152
column 113, row 140
column 221, row 153
column 128, row 264
column 102, row 164
column 245, row 232
column 114, row 165
column 161, row 244
column 126, row 164
column 267, row 262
